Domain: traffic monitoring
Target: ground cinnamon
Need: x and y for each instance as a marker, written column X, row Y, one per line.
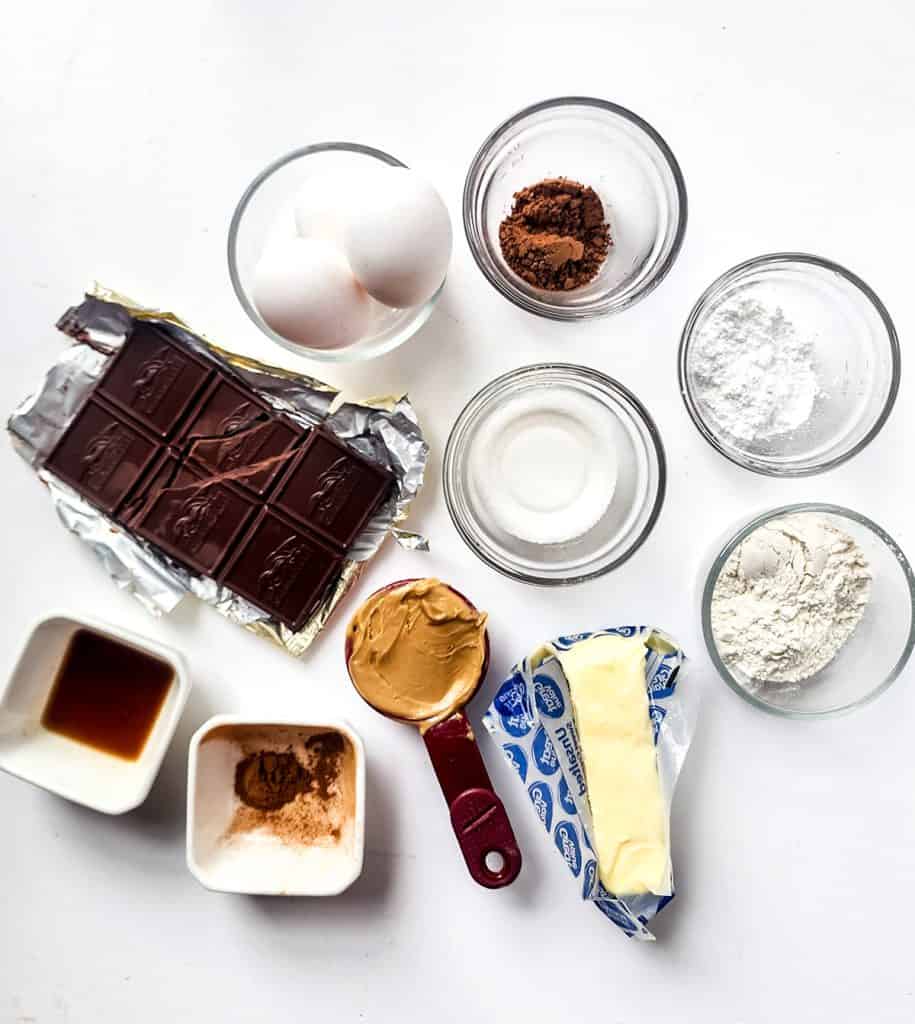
column 327, row 751
column 269, row 780
column 294, row 783
column 556, row 237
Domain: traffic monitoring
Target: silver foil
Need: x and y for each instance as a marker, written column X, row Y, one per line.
column 383, row 429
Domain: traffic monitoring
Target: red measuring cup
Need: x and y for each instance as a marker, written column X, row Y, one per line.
column 478, row 816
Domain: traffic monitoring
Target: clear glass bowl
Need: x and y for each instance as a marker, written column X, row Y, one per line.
column 266, row 211
column 876, row 652
column 599, row 144
column 855, row 354
column 632, row 511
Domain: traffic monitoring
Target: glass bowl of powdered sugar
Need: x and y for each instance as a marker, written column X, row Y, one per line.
column 789, row 364
column 809, row 611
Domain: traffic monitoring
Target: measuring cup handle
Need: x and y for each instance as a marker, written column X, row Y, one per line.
column 477, row 815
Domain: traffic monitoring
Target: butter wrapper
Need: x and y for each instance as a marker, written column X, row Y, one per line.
column 532, row 719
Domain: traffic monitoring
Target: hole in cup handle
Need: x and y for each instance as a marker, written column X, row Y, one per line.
column 485, row 836
column 493, row 861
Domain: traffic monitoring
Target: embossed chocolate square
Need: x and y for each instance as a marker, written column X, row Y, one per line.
column 167, row 471
column 225, row 408
column 261, row 444
column 231, row 431
column 281, row 569
column 332, row 489
column 101, row 455
column 154, row 380
column 197, row 523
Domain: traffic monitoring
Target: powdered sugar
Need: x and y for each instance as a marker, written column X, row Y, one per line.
column 753, row 373
column 789, row 598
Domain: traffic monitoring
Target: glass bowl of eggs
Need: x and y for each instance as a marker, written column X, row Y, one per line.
column 338, row 251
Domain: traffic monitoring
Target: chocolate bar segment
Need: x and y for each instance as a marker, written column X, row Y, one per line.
column 281, row 569
column 102, row 455
column 332, row 489
column 153, row 380
column 261, row 442
column 198, row 523
column 223, row 409
column 167, row 471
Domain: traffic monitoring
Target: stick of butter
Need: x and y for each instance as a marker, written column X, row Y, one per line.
column 606, row 676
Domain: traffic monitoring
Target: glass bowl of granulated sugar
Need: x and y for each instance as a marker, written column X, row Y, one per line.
column 554, row 474
column 809, row 611
column 789, row 364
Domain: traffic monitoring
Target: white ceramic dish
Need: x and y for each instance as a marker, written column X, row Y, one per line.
column 63, row 766
column 258, row 863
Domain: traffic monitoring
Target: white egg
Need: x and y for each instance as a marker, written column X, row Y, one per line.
column 398, row 238
column 305, row 290
column 282, row 228
column 323, row 202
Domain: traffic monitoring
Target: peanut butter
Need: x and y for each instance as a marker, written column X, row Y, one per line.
column 417, row 652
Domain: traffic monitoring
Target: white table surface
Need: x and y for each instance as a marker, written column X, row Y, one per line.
column 129, row 130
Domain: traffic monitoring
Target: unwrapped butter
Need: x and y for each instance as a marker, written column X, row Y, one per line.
column 606, row 676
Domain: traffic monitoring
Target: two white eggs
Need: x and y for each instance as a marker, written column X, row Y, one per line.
column 382, row 235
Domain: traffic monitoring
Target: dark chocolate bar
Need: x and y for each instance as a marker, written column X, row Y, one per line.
column 153, row 380
column 332, row 489
column 196, row 463
column 281, row 568
column 102, row 455
column 197, row 523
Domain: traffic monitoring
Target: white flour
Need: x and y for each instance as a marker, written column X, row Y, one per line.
column 788, row 599
column 752, row 372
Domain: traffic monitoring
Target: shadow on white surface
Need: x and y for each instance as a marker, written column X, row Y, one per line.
column 163, row 812
column 689, row 845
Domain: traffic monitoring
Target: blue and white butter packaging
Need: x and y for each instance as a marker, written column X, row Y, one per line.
column 533, row 720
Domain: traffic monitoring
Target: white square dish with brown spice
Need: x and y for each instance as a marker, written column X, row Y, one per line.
column 275, row 807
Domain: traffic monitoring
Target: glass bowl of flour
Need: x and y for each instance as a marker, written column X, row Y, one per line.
column 809, row 611
column 789, row 364
column 554, row 474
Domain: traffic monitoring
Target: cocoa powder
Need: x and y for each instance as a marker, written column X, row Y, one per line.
column 556, row 237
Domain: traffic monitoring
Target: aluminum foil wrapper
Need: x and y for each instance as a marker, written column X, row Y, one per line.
column 383, row 429
column 533, row 721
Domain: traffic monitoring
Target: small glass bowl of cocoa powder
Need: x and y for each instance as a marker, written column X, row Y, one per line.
column 575, row 148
